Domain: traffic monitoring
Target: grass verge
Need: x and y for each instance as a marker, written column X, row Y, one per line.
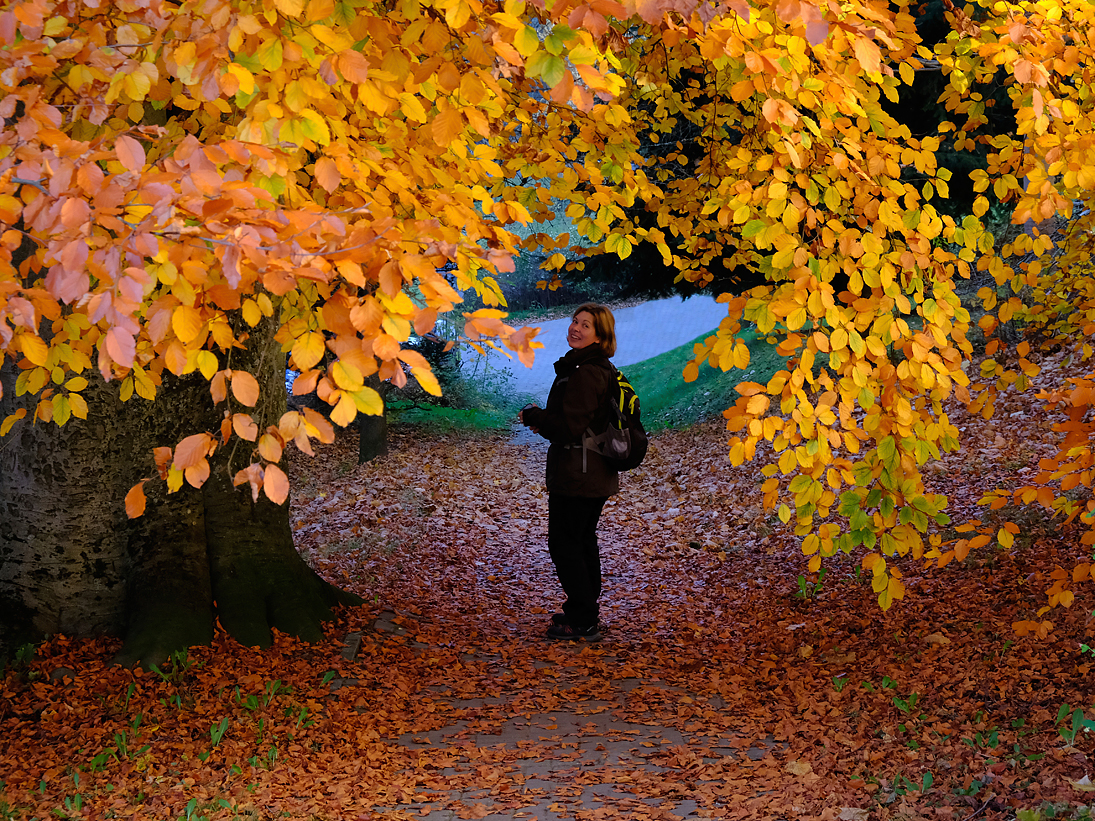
column 667, row 400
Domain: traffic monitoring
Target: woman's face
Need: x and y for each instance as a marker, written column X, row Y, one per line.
column 582, row 331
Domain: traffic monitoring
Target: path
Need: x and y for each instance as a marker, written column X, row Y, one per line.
column 717, row 693
column 642, row 331
column 574, row 731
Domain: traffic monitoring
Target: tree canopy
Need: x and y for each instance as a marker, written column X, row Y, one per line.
column 173, row 173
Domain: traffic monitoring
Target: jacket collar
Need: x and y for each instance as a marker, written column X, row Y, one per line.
column 576, row 357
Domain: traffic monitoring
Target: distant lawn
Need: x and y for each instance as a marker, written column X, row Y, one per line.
column 670, row 402
column 667, row 400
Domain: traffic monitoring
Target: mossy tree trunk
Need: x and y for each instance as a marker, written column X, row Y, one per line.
column 72, row 563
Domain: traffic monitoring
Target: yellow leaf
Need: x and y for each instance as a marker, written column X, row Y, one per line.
column 347, row 376
column 370, row 402
column 207, row 363
column 251, row 313
column 79, row 406
column 526, row 41
column 308, row 350
column 290, row 8
column 34, row 349
column 336, row 39
column 618, row 245
column 187, row 323
column 412, row 108
column 243, row 76
column 345, row 411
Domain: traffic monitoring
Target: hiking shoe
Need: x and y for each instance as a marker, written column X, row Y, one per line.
column 568, row 632
column 561, row 619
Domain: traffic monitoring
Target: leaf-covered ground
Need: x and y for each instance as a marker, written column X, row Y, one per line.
column 738, row 692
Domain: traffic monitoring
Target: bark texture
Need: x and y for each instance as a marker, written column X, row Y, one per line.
column 63, row 537
column 72, row 563
column 372, row 431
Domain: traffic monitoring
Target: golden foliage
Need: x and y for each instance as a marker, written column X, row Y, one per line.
column 321, row 163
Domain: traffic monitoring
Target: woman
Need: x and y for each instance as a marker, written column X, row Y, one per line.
column 579, row 481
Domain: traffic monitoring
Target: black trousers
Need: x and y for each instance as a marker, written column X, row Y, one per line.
column 572, row 543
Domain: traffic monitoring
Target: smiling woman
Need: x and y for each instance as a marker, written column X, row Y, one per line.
column 579, row 480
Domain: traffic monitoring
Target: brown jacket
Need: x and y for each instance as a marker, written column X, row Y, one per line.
column 577, row 401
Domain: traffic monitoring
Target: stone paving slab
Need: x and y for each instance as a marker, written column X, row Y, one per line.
column 576, row 762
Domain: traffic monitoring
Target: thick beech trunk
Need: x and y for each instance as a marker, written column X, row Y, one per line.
column 64, row 554
column 72, row 563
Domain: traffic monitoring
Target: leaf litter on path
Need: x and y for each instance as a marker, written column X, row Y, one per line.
column 719, row 690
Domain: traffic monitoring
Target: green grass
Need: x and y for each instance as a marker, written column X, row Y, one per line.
column 667, row 400
column 441, row 419
column 670, row 402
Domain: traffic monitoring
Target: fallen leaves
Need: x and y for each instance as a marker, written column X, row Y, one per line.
column 717, row 683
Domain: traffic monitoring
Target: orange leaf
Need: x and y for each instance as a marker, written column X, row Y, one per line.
column 252, row 474
column 306, row 382
column 276, row 485
column 447, row 125
column 270, row 448
column 324, row 431
column 424, row 321
column 34, row 349
column 175, row 357
column 121, row 346
column 385, row 346
column 245, row 427
column 217, row 387
column 245, row 388
column 391, row 280
column 130, row 153
column 135, row 501
column 327, row 174
column 649, row 10
column 868, row 54
column 193, row 449
column 353, row 66
column 197, row 474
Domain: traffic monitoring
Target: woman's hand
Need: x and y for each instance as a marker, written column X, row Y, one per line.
column 521, row 416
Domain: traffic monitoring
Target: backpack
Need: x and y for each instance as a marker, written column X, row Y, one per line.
column 623, row 443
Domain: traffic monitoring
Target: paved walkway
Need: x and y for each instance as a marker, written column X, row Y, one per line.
column 598, row 755
column 642, row 331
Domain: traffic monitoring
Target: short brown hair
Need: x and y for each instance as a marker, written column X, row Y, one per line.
column 604, row 325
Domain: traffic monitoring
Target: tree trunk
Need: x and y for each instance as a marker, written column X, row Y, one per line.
column 372, row 431
column 70, row 561
column 64, row 556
